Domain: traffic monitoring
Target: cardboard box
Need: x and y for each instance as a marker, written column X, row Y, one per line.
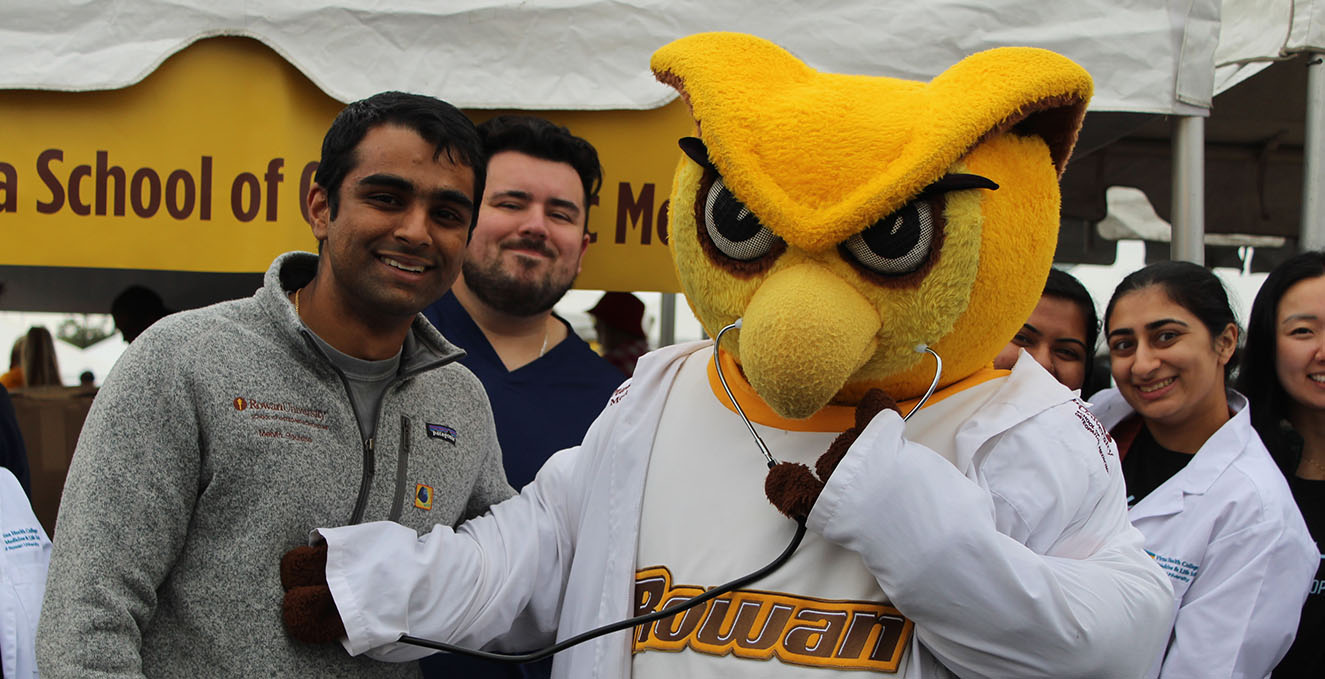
column 50, row 419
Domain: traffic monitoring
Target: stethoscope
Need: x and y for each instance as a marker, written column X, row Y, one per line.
column 711, row 594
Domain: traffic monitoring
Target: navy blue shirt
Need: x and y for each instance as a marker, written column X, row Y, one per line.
column 13, row 455
column 539, row 408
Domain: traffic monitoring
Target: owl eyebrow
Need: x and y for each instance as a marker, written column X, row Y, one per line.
column 958, row 182
column 694, row 148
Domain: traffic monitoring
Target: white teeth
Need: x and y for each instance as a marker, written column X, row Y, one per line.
column 1317, row 378
column 1156, row 386
column 402, row 267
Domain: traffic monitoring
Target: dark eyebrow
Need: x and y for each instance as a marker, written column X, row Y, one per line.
column 387, row 180
column 398, row 183
column 1163, row 322
column 1153, row 325
column 1299, row 317
column 1028, row 326
column 513, row 193
column 453, row 196
column 565, row 205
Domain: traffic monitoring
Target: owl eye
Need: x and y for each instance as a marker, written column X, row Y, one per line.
column 734, row 230
column 897, row 244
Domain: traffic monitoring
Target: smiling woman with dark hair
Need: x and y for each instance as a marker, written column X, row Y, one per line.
column 1060, row 334
column 1283, row 376
column 1216, row 513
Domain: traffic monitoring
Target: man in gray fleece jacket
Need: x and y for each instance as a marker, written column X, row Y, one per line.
column 224, row 434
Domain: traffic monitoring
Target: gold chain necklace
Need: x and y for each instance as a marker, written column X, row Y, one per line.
column 296, row 301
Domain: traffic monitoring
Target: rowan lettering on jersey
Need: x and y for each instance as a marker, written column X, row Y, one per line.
column 863, row 635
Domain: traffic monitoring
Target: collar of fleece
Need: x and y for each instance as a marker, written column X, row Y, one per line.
column 770, row 121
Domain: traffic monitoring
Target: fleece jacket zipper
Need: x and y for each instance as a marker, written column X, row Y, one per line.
column 369, row 450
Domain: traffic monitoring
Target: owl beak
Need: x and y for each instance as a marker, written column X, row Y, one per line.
column 804, row 333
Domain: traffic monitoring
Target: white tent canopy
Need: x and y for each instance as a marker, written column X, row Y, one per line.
column 1254, row 33
column 1146, row 56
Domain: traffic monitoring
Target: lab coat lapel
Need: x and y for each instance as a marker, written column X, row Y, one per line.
column 651, row 385
column 1210, row 461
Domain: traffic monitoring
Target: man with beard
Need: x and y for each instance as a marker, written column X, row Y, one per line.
column 545, row 384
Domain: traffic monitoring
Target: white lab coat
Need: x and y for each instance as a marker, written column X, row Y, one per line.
column 1017, row 560
column 23, row 562
column 1227, row 531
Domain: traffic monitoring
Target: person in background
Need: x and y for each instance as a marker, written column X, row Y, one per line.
column 545, row 383
column 1283, row 377
column 87, row 379
column 13, row 378
column 40, row 367
column 135, row 310
column 1216, row 513
column 619, row 322
column 13, row 452
column 224, row 434
column 1060, row 334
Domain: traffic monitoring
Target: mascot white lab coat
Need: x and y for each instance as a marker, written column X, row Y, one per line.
column 1024, row 521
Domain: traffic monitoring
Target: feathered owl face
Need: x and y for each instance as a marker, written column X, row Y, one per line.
column 849, row 219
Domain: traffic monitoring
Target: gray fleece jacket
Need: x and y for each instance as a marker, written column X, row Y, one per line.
column 221, row 437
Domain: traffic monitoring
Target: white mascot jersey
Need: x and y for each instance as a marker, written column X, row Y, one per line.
column 706, row 521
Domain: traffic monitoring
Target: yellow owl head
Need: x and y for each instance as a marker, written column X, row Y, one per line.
column 848, row 219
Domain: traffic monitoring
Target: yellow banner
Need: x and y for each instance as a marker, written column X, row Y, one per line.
column 203, row 166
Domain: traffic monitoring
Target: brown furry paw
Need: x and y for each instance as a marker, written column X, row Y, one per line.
column 303, row 566
column 310, row 615
column 792, row 489
column 872, row 403
column 308, row 609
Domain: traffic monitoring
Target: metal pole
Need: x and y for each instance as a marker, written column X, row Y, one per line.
column 1188, row 214
column 667, row 319
column 1312, row 235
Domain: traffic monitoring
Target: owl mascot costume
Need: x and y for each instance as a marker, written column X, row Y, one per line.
column 868, row 240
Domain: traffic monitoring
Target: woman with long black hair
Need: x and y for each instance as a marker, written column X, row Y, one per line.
column 1283, row 376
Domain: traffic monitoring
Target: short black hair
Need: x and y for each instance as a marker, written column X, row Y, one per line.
column 1065, row 286
column 138, row 301
column 1190, row 286
column 540, row 138
column 438, row 122
column 1258, row 380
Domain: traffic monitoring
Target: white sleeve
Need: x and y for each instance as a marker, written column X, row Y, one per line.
column 23, row 566
column 499, row 577
column 1240, row 614
column 1029, row 568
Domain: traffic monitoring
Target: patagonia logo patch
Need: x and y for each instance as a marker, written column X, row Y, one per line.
column 441, row 431
column 423, row 496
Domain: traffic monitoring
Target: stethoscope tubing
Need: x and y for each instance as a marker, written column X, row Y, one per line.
column 645, row 619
